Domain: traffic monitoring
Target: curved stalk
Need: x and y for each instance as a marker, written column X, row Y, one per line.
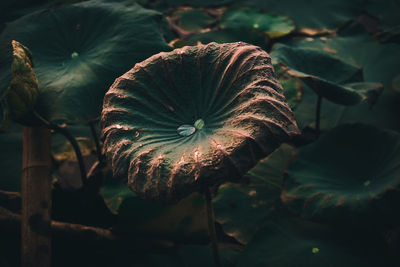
column 72, row 141
column 96, row 141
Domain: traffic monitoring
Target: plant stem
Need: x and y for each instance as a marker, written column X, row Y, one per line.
column 211, row 226
column 96, row 141
column 36, row 197
column 318, row 114
column 72, row 141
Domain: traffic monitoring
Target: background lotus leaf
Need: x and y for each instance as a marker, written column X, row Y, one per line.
column 77, row 56
column 314, row 16
column 192, row 19
column 250, row 17
column 284, row 243
column 351, row 173
column 330, row 77
column 379, row 63
column 242, row 209
column 231, row 88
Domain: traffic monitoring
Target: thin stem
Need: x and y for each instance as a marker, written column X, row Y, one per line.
column 72, row 141
column 211, row 226
column 96, row 141
column 318, row 114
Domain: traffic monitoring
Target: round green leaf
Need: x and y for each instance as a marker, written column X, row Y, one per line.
column 192, row 19
column 78, row 56
column 230, row 87
column 351, row 173
column 287, row 243
column 315, row 16
column 249, row 17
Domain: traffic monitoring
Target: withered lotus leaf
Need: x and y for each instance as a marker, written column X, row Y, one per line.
column 193, row 118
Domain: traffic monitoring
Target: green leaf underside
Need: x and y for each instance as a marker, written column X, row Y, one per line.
column 77, row 56
column 248, row 17
column 231, row 87
column 352, row 171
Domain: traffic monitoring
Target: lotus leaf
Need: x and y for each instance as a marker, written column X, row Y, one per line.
column 287, row 243
column 242, row 209
column 249, row 17
column 330, row 77
column 192, row 19
column 350, row 173
column 228, row 89
column 379, row 63
column 80, row 49
column 315, row 16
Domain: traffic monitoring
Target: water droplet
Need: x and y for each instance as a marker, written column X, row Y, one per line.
column 199, row 124
column 136, row 134
column 118, row 126
column 186, row 130
column 315, row 250
column 74, row 55
column 367, row 183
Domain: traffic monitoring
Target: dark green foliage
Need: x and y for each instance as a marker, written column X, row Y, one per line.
column 340, row 190
column 77, row 56
column 351, row 174
column 287, row 243
column 249, row 18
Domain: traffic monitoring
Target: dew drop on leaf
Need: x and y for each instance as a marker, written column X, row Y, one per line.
column 186, row 130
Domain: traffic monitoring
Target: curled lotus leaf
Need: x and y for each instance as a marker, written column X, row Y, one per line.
column 351, row 173
column 78, row 56
column 227, row 92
